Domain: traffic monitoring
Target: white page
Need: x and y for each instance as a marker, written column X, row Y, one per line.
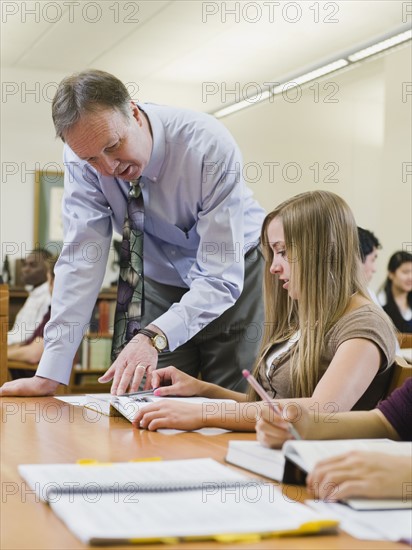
column 391, row 525
column 252, row 456
column 307, row 453
column 131, row 475
column 75, row 400
column 254, row 509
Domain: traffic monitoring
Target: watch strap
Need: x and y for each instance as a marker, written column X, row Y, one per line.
column 153, row 335
column 147, row 332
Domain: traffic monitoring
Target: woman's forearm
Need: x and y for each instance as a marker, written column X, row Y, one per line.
column 213, row 391
column 313, row 423
column 240, row 417
column 352, row 425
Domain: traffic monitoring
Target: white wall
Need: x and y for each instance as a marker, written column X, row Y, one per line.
column 28, row 143
column 365, row 136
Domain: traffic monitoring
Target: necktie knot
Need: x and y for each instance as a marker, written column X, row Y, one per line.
column 135, row 189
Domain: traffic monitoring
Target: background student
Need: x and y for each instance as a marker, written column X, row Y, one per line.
column 396, row 296
column 32, row 348
column 34, row 272
column 325, row 341
column 369, row 246
column 363, row 474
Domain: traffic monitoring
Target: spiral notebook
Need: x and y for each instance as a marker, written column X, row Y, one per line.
column 168, row 501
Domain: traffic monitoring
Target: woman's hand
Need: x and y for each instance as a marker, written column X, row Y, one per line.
column 170, row 414
column 272, row 429
column 172, row 381
column 361, row 474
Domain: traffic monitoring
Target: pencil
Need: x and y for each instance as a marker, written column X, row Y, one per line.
column 266, row 397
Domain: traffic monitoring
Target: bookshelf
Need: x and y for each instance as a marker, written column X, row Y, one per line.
column 93, row 356
column 4, row 312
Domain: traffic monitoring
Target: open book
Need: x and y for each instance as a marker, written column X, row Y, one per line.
column 112, row 405
column 170, row 501
column 297, row 458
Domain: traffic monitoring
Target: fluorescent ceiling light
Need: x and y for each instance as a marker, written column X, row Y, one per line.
column 343, row 61
column 242, row 104
column 307, row 77
column 380, row 46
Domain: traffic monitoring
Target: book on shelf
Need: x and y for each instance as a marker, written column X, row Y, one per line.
column 168, row 501
column 96, row 353
column 102, row 318
column 107, row 309
column 298, row 458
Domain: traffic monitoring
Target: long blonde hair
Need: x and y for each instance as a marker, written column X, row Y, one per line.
column 322, row 248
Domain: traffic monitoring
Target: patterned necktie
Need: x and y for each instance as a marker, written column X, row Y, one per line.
column 129, row 308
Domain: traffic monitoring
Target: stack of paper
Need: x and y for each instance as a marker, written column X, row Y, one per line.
column 195, row 499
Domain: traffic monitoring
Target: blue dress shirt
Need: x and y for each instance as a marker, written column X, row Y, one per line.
column 200, row 220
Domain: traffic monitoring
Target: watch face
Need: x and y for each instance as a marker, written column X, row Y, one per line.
column 160, row 342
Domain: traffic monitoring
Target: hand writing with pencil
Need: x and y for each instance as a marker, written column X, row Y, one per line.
column 273, row 430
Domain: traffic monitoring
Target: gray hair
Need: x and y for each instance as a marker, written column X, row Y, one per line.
column 87, row 92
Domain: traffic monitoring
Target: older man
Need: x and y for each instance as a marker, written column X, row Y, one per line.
column 202, row 265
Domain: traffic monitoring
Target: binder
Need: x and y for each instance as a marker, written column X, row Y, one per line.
column 168, row 501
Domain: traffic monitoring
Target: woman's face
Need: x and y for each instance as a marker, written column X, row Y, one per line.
column 402, row 278
column 280, row 264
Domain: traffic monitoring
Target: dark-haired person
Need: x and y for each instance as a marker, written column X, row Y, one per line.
column 34, row 273
column 202, row 265
column 396, row 296
column 369, row 246
column 31, row 350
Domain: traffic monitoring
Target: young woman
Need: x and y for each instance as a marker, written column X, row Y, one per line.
column 362, row 474
column 325, row 344
column 396, row 297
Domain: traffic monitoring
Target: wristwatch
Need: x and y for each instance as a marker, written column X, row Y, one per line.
column 159, row 341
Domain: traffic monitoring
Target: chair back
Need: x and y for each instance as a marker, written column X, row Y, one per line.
column 405, row 339
column 401, row 371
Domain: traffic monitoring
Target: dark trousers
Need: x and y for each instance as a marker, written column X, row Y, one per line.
column 229, row 344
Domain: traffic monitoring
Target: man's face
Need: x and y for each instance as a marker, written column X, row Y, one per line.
column 34, row 270
column 113, row 144
column 369, row 265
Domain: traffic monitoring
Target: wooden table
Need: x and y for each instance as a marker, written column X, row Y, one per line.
column 44, row 430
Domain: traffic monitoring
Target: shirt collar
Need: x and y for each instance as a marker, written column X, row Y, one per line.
column 157, row 157
column 41, row 289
